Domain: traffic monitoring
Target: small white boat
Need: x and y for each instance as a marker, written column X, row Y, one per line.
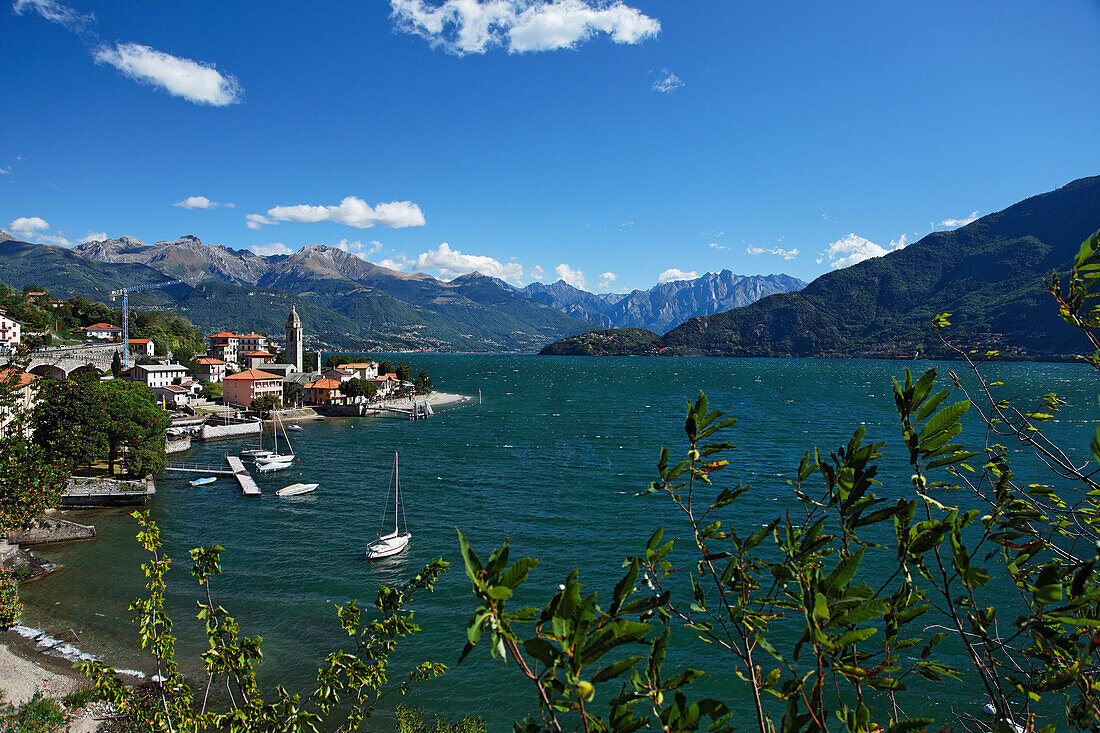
column 272, row 466
column 295, row 489
column 391, row 543
column 203, row 481
column 294, row 427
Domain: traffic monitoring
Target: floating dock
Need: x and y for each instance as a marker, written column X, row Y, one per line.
column 244, row 478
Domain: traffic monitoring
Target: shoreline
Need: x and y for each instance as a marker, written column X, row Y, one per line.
column 24, row 668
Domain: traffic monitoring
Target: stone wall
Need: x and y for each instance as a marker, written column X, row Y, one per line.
column 177, row 445
column 52, row 531
column 222, row 431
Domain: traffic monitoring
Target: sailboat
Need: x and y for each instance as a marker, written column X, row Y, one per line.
column 391, row 543
column 259, row 451
column 277, row 461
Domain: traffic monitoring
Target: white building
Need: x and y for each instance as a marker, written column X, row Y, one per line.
column 104, row 331
column 141, row 347
column 11, row 331
column 156, row 375
column 173, row 395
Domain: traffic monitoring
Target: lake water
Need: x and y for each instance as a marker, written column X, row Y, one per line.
column 550, row 460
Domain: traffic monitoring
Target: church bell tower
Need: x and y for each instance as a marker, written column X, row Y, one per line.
column 294, row 340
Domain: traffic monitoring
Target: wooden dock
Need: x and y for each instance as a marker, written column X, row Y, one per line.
column 244, row 478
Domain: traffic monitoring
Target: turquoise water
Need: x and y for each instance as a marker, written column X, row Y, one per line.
column 550, row 460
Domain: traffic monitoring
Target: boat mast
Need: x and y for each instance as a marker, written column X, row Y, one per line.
column 396, row 491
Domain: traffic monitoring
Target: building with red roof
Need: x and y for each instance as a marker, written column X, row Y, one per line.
column 243, row 387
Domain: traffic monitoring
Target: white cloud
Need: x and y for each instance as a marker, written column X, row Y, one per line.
column 359, row 248
column 606, row 279
column 570, row 276
column 93, row 237
column 275, row 248
column 537, row 272
column 354, row 212
column 668, row 83
column 476, row 26
column 27, row 227
column 787, row 254
column 255, row 221
column 450, row 263
column 53, row 239
column 5, row 171
column 960, row 222
column 853, row 248
column 201, row 202
column 715, row 245
column 196, row 82
column 55, row 12
column 675, row 274
column 398, row 262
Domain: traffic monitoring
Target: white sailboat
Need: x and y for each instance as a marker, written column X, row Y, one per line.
column 393, row 542
column 276, row 461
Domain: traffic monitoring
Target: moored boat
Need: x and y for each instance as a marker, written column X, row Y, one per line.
column 394, row 542
column 295, row 489
column 203, row 481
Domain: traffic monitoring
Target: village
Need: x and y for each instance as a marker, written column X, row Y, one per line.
column 238, row 374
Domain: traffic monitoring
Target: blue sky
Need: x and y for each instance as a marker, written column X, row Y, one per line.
column 612, row 143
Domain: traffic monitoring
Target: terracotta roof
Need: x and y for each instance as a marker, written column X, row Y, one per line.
column 225, row 334
column 102, row 327
column 208, row 360
column 257, row 353
column 324, row 384
column 385, row 377
column 25, row 378
column 252, row 375
column 139, row 341
column 173, row 388
column 362, row 365
column 252, row 336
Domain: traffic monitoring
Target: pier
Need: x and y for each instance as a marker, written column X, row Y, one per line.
column 236, row 470
column 244, row 478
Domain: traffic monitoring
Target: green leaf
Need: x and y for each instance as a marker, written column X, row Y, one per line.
column 944, row 419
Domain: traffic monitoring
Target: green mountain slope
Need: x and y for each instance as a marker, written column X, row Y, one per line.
column 988, row 274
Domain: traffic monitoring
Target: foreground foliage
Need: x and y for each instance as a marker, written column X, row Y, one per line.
column 830, row 611
column 349, row 683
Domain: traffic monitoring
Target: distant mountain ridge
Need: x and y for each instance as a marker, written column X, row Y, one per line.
column 988, row 274
column 665, row 305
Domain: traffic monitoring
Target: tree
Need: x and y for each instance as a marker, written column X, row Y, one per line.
column 337, row 360
column 212, row 391
column 68, row 421
column 134, row 423
column 116, row 365
column 29, row 482
column 267, row 403
column 404, row 372
column 86, row 373
column 385, row 367
column 423, row 383
column 294, row 393
column 309, row 362
column 353, row 388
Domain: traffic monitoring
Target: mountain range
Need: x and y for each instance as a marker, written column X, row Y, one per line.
column 989, row 275
column 665, row 305
column 349, row 303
